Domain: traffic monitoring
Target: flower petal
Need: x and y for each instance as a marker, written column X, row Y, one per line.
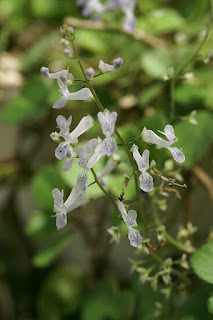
column 177, row 154
column 146, row 181
column 169, row 133
column 152, row 138
column 109, row 146
column 84, row 125
column 67, row 164
column 82, row 180
column 134, row 237
column 61, row 220
column 62, row 150
column 132, row 216
column 60, row 103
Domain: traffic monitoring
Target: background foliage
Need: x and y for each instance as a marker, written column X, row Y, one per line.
column 76, row 273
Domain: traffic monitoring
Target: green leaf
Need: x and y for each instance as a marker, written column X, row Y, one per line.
column 194, row 139
column 210, row 304
column 46, row 256
column 165, row 20
column 40, row 224
column 156, row 62
column 43, row 183
column 202, row 262
column 30, row 103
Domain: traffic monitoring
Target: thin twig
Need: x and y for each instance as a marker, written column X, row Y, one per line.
column 143, row 37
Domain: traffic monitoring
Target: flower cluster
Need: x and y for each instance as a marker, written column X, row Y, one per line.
column 97, row 9
column 130, row 221
column 88, row 154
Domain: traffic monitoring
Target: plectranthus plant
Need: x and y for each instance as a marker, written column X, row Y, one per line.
column 148, row 180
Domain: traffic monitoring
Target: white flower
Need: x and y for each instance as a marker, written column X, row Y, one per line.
column 65, row 149
column 107, row 120
column 105, row 67
column 83, row 94
column 130, row 221
column 63, row 75
column 169, row 75
column 76, row 199
column 84, row 154
column 146, row 180
column 152, row 138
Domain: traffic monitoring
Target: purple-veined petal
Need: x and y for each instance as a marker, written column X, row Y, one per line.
column 58, row 195
column 146, row 181
column 109, row 146
column 177, row 154
column 82, row 180
column 134, row 237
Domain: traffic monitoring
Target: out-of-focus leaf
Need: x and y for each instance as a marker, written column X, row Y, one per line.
column 35, row 55
column 91, row 41
column 165, row 20
column 210, row 304
column 150, row 93
column 194, row 95
column 194, row 139
column 30, row 103
column 40, row 224
column 156, row 62
column 202, row 262
column 61, row 293
column 43, row 183
column 46, row 256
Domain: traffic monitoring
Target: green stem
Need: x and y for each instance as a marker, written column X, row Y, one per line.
column 99, row 104
column 179, row 73
column 103, row 189
column 168, row 237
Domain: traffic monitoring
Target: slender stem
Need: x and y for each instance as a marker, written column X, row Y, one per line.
column 104, row 190
column 181, row 70
column 98, row 102
column 168, row 237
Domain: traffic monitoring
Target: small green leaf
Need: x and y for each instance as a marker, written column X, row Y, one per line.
column 46, row 256
column 202, row 262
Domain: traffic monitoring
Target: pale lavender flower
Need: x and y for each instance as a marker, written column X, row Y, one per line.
column 130, row 221
column 105, row 67
column 107, row 120
column 83, row 94
column 146, row 180
column 152, row 138
column 84, row 154
column 65, row 148
column 76, row 199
